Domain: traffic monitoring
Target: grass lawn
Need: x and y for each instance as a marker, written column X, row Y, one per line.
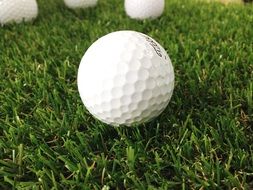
column 203, row 140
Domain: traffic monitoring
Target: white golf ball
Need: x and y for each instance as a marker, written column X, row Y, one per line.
column 17, row 11
column 125, row 78
column 144, row 9
column 73, row 4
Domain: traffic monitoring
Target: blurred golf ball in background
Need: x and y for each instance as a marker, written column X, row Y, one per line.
column 144, row 9
column 125, row 78
column 73, row 4
column 17, row 10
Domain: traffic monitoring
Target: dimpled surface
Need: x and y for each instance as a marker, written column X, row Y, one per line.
column 144, row 9
column 125, row 78
column 17, row 10
column 80, row 3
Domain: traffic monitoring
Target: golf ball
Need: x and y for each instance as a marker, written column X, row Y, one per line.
column 17, row 11
column 73, row 4
column 144, row 9
column 125, row 78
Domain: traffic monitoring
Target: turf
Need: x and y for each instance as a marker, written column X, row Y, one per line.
column 203, row 140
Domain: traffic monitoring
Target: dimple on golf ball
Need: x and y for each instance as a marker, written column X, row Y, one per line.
column 17, row 11
column 73, row 4
column 144, row 9
column 125, row 78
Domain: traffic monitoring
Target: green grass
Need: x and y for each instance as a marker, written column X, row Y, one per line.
column 203, row 140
